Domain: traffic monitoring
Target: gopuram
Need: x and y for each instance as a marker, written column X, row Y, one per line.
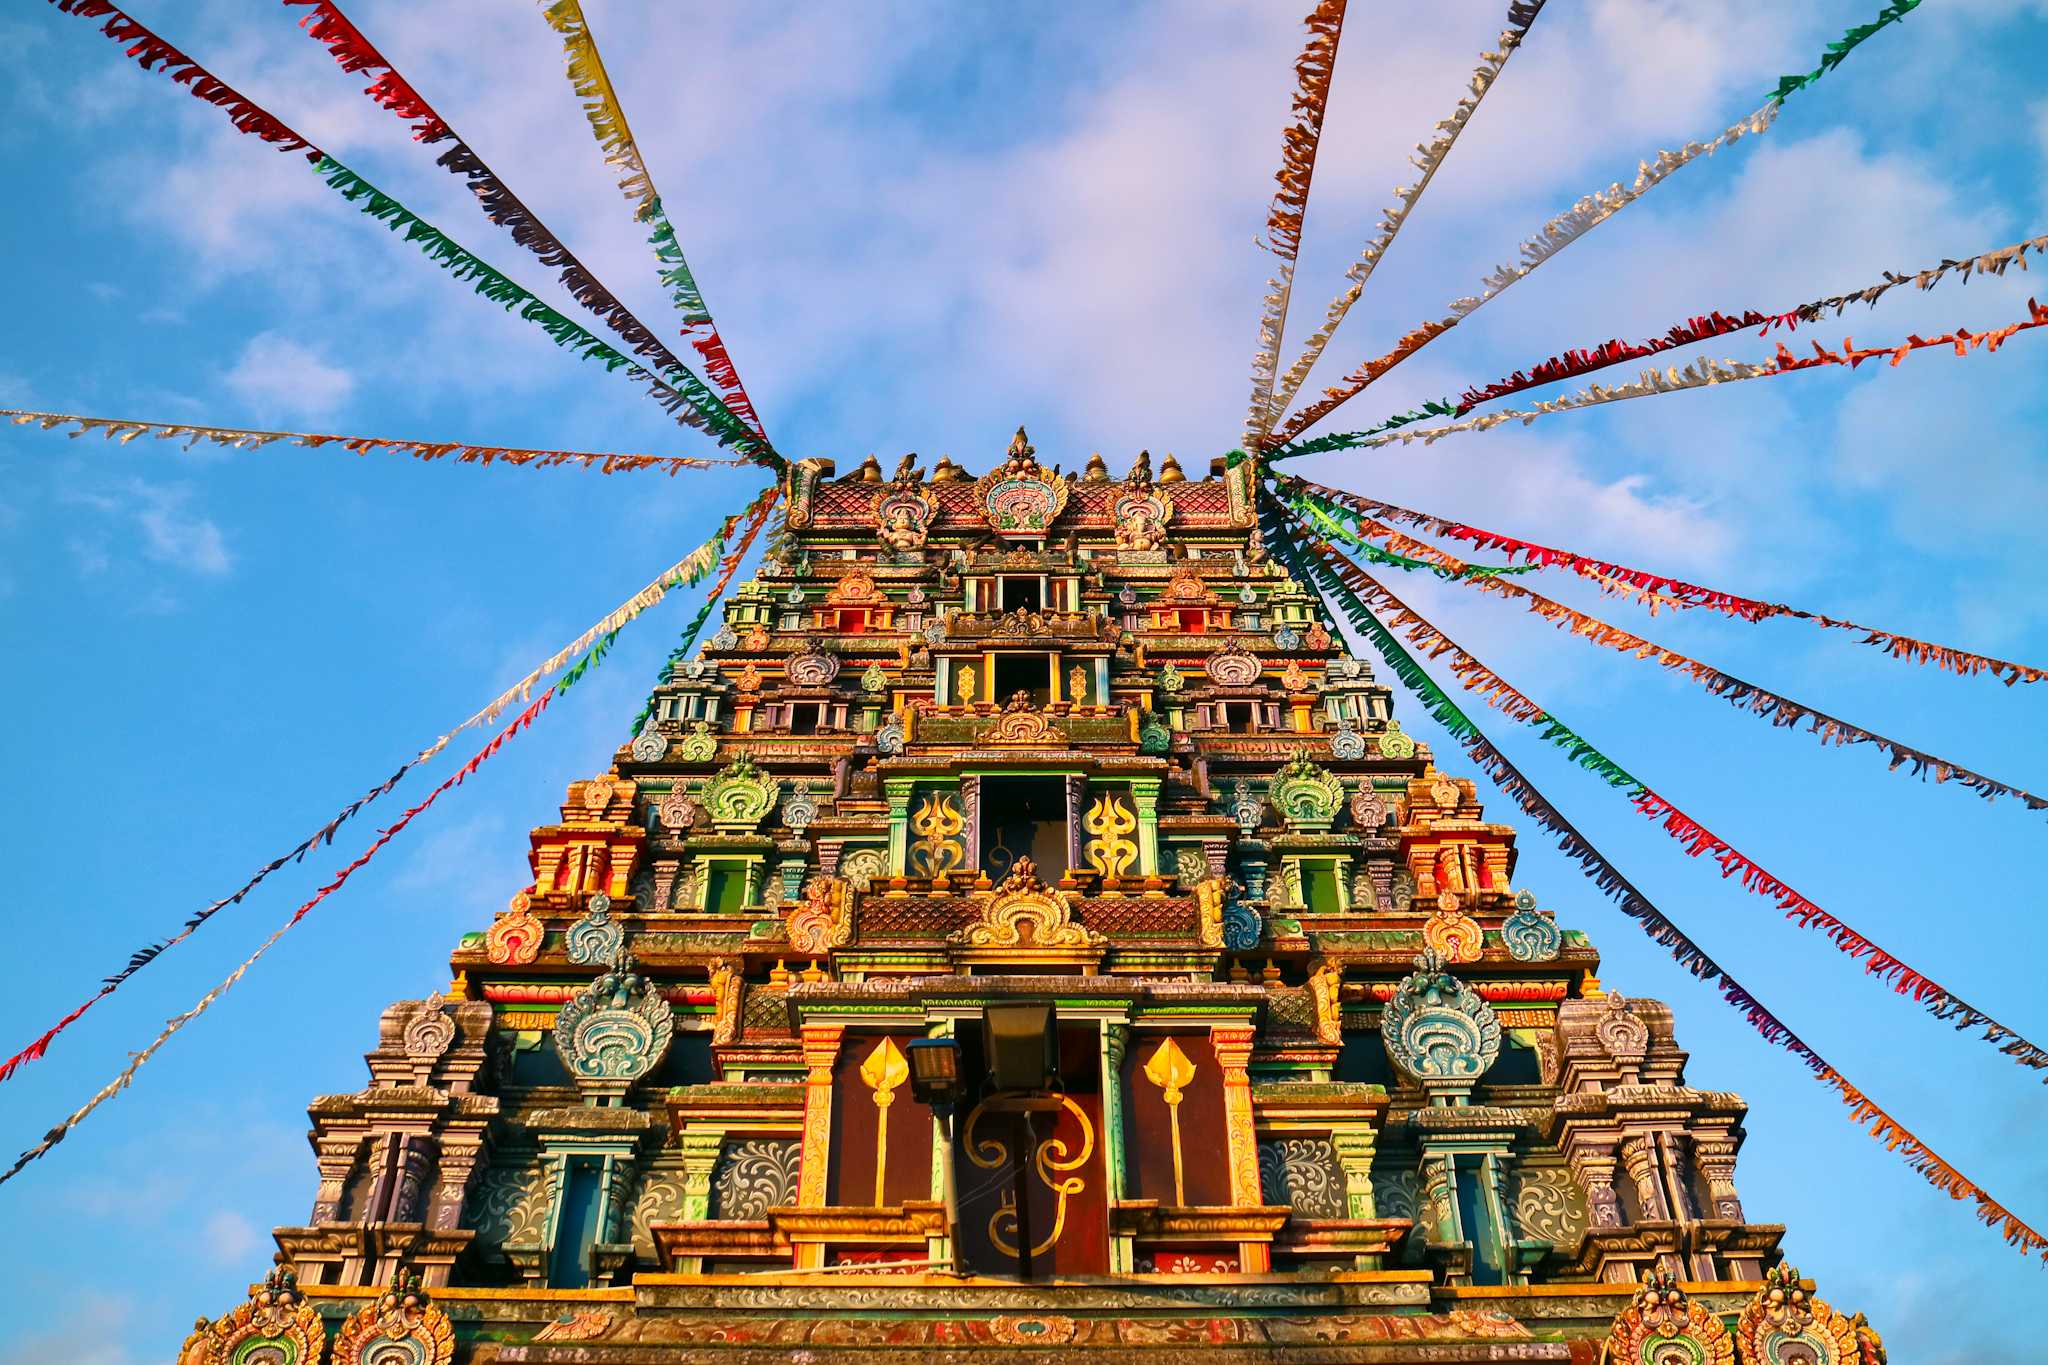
column 1023, row 930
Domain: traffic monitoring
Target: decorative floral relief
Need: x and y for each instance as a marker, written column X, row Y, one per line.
column 660, row 1200
column 752, row 1177
column 1393, row 1193
column 509, row 1205
column 1549, row 1207
column 1305, row 1173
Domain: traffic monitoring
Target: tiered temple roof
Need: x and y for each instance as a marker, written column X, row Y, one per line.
column 1331, row 1082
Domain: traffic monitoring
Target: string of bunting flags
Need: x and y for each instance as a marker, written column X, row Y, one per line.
column 1575, row 363
column 607, row 118
column 355, row 53
column 681, row 394
column 1318, row 570
column 1428, row 159
column 592, row 645
column 1780, row 710
column 1299, row 142
column 1568, row 227
column 1699, row 374
column 755, row 516
column 122, row 430
column 123, row 1078
column 1695, row 838
column 1649, row 589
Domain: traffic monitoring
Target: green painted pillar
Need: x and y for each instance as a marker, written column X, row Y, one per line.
column 1145, row 796
column 1116, row 1037
column 898, row 792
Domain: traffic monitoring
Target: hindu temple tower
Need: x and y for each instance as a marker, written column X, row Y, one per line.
column 1024, row 928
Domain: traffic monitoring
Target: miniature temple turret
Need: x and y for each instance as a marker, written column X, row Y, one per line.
column 1076, row 744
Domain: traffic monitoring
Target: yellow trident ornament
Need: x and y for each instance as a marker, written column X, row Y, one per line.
column 884, row 1071
column 1111, row 852
column 937, row 849
column 1172, row 1072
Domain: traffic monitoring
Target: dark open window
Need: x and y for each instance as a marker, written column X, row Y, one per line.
column 1239, row 716
column 569, row 1266
column 1024, row 817
column 804, row 717
column 1027, row 673
column 1022, row 593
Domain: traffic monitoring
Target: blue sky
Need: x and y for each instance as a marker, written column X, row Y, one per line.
column 919, row 227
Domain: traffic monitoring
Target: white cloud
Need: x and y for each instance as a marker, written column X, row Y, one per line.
column 160, row 521
column 278, row 375
column 229, row 1238
column 88, row 1328
column 174, row 535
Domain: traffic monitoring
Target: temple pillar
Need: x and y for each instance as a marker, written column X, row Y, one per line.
column 970, row 823
column 1233, row 1044
column 898, row 792
column 336, row 1154
column 1145, row 797
column 1716, row 1159
column 1355, row 1147
column 1639, row 1158
column 821, row 1050
column 1077, row 805
column 1116, row 1037
column 700, row 1147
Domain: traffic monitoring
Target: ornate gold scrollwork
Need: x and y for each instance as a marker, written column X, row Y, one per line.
column 1048, row 1159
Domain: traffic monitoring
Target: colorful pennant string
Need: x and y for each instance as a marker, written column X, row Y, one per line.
column 1429, row 157
column 1573, row 364
column 1699, row 374
column 1505, row 775
column 1779, row 710
column 593, row 85
column 355, row 53
column 142, row 957
column 1299, row 143
column 122, row 431
column 683, row 396
column 1696, row 839
column 755, row 516
column 1574, row 223
column 177, row 1022
column 592, row 644
column 1651, row 590
column 1555, row 235
column 1843, row 46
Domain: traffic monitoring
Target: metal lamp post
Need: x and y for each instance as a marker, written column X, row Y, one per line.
column 935, row 1082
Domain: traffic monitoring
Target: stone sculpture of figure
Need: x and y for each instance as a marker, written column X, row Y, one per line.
column 1141, row 531
column 901, row 532
column 1022, row 457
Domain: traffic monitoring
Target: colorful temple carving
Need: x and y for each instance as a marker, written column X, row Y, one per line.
column 1324, row 1080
